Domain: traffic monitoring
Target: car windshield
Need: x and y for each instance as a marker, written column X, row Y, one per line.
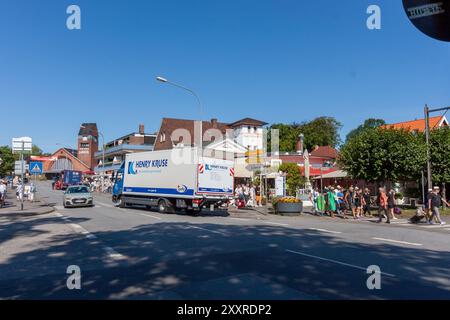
column 80, row 189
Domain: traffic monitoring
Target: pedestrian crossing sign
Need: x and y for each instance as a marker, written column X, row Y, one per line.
column 35, row 168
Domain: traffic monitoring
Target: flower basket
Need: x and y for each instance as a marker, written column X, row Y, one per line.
column 288, row 206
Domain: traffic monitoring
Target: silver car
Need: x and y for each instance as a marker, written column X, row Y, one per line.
column 78, row 196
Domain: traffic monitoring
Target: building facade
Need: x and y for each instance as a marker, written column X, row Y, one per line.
column 116, row 150
column 88, row 143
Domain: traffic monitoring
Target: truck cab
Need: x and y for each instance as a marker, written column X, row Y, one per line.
column 118, row 185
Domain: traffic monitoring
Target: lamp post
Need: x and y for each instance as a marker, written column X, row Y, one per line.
column 427, row 112
column 164, row 80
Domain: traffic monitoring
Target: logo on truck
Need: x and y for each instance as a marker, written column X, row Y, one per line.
column 131, row 168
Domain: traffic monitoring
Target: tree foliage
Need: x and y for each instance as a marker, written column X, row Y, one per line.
column 8, row 159
column 440, row 155
column 294, row 179
column 368, row 124
column 322, row 131
column 384, row 155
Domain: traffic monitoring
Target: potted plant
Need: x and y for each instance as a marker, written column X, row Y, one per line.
column 288, row 206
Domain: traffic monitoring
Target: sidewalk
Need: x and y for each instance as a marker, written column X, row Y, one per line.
column 12, row 207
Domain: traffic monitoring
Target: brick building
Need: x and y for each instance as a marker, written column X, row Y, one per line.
column 116, row 149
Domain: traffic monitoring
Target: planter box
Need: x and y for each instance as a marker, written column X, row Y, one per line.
column 289, row 209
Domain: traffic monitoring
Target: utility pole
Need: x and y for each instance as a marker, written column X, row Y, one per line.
column 427, row 111
column 427, row 141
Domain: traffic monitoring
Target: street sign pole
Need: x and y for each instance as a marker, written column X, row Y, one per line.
column 21, row 174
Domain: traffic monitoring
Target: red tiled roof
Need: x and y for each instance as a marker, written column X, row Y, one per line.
column 324, row 152
column 418, row 125
column 247, row 122
column 169, row 125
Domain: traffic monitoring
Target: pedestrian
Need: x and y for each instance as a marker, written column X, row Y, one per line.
column 349, row 199
column 331, row 201
column 2, row 193
column 258, row 197
column 31, row 192
column 391, row 203
column 358, row 202
column 366, row 202
column 315, row 200
column 340, row 201
column 382, row 201
column 434, row 203
column 19, row 192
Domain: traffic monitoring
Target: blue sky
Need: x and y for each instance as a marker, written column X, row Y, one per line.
column 274, row 60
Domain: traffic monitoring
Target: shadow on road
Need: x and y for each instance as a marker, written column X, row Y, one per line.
column 211, row 261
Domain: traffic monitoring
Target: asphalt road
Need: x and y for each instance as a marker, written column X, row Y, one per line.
column 134, row 253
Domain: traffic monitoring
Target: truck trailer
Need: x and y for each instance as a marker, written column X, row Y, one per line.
column 173, row 179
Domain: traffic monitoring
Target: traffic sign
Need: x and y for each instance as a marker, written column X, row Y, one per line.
column 35, row 167
column 23, row 144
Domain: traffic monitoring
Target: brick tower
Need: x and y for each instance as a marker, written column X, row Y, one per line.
column 88, row 143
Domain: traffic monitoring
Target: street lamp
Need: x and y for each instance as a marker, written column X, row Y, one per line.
column 164, row 80
column 103, row 146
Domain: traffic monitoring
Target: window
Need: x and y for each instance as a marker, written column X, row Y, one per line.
column 84, row 145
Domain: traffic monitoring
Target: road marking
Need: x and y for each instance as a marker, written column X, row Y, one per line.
column 276, row 223
column 335, row 261
column 204, row 229
column 241, row 219
column 324, row 230
column 150, row 216
column 79, row 229
column 105, row 204
column 397, row 241
column 113, row 253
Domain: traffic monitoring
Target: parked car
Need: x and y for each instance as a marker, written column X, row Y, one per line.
column 78, row 196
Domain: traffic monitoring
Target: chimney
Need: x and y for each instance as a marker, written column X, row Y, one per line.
column 141, row 129
column 299, row 145
column 214, row 122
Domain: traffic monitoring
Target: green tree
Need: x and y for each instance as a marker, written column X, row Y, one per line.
column 36, row 151
column 8, row 159
column 370, row 123
column 440, row 155
column 382, row 155
column 294, row 180
column 322, row 131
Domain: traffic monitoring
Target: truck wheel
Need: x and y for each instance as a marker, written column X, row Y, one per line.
column 162, row 206
column 118, row 202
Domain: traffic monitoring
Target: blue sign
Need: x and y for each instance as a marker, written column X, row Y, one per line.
column 35, row 167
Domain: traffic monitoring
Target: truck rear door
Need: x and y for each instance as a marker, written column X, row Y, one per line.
column 215, row 177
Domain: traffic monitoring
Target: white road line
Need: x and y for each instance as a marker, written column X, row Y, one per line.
column 276, row 223
column 336, row 261
column 150, row 216
column 113, row 253
column 204, row 229
column 79, row 229
column 241, row 219
column 324, row 230
column 401, row 242
column 100, row 204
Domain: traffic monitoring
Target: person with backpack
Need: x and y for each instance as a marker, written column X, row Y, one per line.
column 382, row 201
column 434, row 203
